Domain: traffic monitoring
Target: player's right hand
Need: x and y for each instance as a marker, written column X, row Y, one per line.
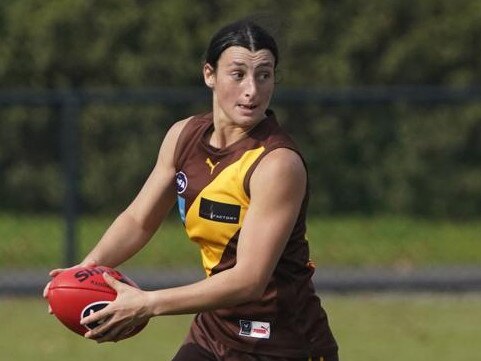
column 55, row 272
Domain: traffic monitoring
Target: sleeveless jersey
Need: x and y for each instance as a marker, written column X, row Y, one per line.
column 213, row 198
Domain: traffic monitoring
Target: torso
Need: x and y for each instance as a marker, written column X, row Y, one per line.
column 213, row 198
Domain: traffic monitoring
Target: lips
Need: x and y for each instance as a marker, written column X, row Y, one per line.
column 248, row 106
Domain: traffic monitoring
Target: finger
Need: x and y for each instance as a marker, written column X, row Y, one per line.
column 89, row 264
column 45, row 295
column 102, row 331
column 45, row 290
column 99, row 317
column 56, row 272
column 114, row 334
column 112, row 282
column 108, row 336
column 126, row 333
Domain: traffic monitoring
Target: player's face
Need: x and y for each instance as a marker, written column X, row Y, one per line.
column 242, row 84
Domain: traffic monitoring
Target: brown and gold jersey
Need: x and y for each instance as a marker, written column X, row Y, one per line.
column 213, row 198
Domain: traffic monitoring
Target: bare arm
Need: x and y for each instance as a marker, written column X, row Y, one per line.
column 268, row 223
column 134, row 227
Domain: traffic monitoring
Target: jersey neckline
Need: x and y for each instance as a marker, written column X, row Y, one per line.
column 231, row 147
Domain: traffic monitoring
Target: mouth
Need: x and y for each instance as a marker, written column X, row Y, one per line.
column 247, row 106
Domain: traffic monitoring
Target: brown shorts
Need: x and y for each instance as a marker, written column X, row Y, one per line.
column 200, row 346
column 192, row 351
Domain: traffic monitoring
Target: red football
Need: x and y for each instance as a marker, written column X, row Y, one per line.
column 80, row 291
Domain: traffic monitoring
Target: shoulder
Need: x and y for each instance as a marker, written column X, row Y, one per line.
column 185, row 128
column 169, row 143
column 281, row 165
column 177, row 128
column 172, row 136
column 278, row 185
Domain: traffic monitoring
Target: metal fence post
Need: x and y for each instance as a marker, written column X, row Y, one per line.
column 70, row 110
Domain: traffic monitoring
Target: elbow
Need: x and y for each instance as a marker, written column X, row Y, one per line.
column 257, row 294
column 249, row 285
column 253, row 290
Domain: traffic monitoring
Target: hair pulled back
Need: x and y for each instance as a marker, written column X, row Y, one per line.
column 244, row 33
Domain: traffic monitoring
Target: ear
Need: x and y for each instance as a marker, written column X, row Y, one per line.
column 209, row 75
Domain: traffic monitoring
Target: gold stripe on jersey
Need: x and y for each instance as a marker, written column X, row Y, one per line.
column 213, row 236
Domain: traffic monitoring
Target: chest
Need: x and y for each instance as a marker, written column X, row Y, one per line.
column 211, row 194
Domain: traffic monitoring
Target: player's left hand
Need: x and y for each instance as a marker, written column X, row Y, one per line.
column 122, row 316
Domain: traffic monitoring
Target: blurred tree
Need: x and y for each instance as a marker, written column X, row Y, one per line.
column 394, row 158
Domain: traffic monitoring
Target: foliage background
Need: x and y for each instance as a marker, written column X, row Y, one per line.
column 401, row 158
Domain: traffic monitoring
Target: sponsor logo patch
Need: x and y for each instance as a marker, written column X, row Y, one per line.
column 181, row 182
column 255, row 329
column 219, row 212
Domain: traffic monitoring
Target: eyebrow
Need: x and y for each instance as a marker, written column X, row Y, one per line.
column 240, row 63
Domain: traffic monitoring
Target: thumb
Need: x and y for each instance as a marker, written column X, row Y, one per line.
column 89, row 264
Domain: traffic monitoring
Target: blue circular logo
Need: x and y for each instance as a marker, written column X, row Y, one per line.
column 181, row 182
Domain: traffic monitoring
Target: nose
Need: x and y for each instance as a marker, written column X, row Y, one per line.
column 250, row 89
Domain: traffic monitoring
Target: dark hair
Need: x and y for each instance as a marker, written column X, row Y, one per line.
column 244, row 33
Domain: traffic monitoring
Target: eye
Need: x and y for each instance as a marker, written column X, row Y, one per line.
column 237, row 75
column 265, row 75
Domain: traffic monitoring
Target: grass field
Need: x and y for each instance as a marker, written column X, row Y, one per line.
column 368, row 328
column 29, row 241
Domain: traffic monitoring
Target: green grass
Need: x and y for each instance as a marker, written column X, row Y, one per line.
column 420, row 327
column 33, row 334
column 368, row 327
column 34, row 240
column 394, row 241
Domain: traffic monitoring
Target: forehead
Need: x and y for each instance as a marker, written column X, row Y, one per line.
column 238, row 55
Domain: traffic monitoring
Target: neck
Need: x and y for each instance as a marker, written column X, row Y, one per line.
column 226, row 131
column 225, row 134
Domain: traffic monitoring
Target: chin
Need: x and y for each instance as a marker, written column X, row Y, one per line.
column 251, row 117
column 249, row 121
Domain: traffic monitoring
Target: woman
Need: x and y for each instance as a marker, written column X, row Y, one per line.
column 241, row 189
